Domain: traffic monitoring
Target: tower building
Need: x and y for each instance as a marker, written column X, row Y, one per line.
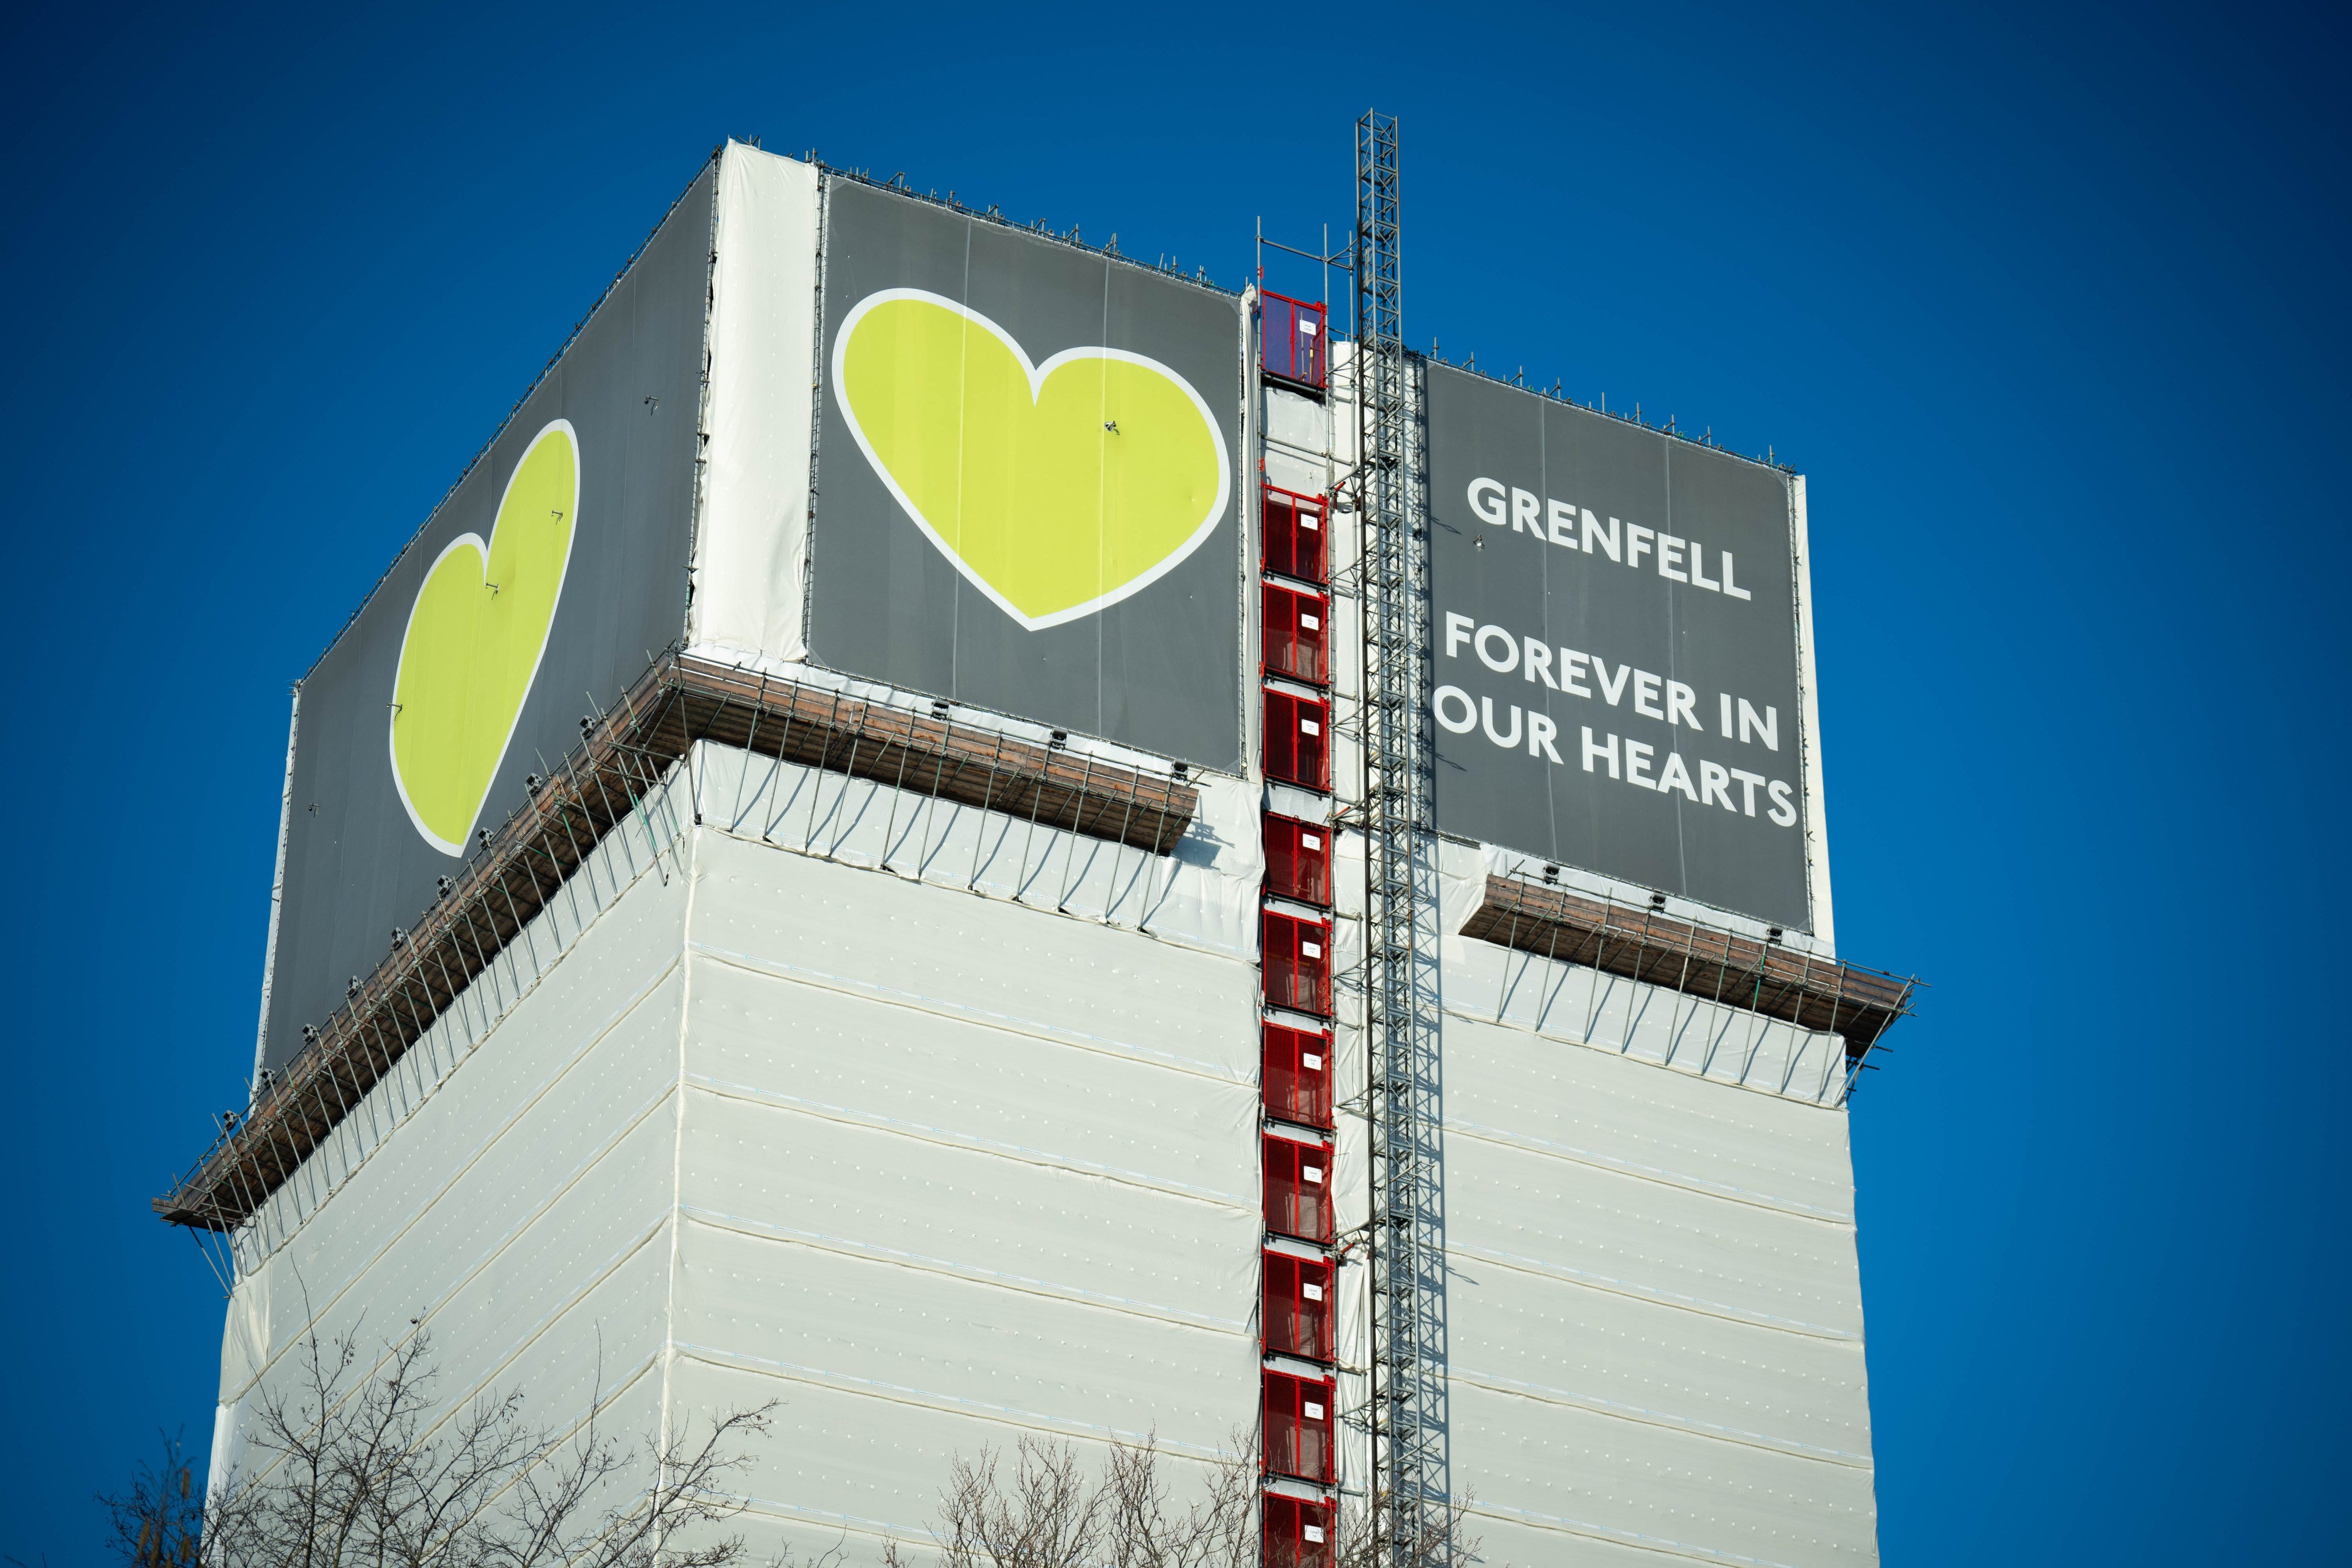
column 979, row 837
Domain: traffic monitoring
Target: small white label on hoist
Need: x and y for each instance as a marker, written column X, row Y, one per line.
column 1311, row 949
column 1312, row 1292
column 1310, row 841
column 1314, row 1063
column 1315, row 1535
column 1313, row 1411
column 1315, row 1173
column 1306, row 520
column 1309, row 727
column 1312, row 623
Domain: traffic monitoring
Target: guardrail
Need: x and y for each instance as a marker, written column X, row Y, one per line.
column 621, row 759
column 1821, row 994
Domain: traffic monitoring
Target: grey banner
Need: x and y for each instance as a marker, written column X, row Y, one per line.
column 1616, row 652
column 1156, row 668
column 357, row 862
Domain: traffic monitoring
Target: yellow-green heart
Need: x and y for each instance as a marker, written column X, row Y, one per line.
column 1056, row 491
column 474, row 636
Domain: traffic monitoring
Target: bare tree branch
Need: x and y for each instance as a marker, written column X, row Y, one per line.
column 353, row 1471
column 1045, row 1516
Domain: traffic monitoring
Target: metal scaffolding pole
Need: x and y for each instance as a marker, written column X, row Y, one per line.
column 1408, row 1293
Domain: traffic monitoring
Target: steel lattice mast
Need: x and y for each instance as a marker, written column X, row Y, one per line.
column 1408, row 1386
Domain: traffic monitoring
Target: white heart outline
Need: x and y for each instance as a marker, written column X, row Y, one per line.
column 563, row 573
column 1037, row 375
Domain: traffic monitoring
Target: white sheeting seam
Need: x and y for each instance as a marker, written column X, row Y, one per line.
column 1609, row 1533
column 842, row 1246
column 570, row 1178
column 1647, row 1173
column 600, row 1402
column 1600, row 1406
column 548, row 1320
column 928, row 1399
column 849, row 1524
column 970, row 1143
column 778, row 970
column 671, row 1270
column 1650, row 1293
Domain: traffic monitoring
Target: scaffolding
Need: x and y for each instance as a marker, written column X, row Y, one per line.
column 623, row 758
column 1645, row 943
column 1407, row 1242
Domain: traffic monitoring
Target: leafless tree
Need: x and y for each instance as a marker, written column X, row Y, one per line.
column 1045, row 1514
column 1445, row 1540
column 160, row 1520
column 349, row 1467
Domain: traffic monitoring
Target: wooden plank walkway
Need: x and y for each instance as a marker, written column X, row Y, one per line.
column 1739, row 972
column 516, row 869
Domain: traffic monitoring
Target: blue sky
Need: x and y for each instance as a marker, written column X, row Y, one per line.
column 2047, row 304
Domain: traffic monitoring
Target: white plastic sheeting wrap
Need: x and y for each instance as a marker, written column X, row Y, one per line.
column 751, row 537
column 931, row 1169
column 1654, row 1311
column 950, row 1170
column 1653, row 1326
column 517, row 1206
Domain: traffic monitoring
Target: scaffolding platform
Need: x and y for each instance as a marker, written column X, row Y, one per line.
column 1645, row 945
column 622, row 757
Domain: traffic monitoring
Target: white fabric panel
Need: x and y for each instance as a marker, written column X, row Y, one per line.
column 1293, row 472
column 1300, row 425
column 1212, row 900
column 1601, row 1109
column 1511, row 1543
column 910, row 1335
column 467, row 1184
column 1654, row 1310
column 1817, row 811
column 1687, row 1034
column 223, row 1463
column 1297, row 432
column 645, row 850
column 570, row 1070
column 750, row 547
column 1030, row 971
column 954, row 1169
column 521, row 1291
column 1461, row 884
column 517, row 1195
column 1035, row 1227
column 847, row 1466
column 1561, row 1343
column 565, row 1308
column 835, row 1055
column 1508, row 1207
column 276, row 888
column 1581, row 1473
column 1204, row 895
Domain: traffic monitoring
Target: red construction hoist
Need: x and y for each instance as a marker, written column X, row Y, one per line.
column 1298, row 1317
